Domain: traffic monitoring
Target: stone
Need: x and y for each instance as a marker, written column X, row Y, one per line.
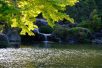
column 72, row 40
column 97, row 41
column 36, row 30
column 40, row 22
column 4, row 42
column 54, row 39
column 14, row 37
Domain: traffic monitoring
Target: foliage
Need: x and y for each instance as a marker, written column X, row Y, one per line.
column 45, row 29
column 99, row 6
column 60, row 32
column 0, row 28
column 81, row 11
column 22, row 13
column 81, row 34
column 94, row 23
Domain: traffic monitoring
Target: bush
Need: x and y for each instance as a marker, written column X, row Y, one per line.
column 45, row 29
column 92, row 26
column 94, row 23
column 78, row 34
column 81, row 34
column 60, row 32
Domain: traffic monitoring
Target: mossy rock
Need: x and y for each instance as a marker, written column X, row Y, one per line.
column 81, row 34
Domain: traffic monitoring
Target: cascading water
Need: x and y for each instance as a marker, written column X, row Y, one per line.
column 46, row 39
column 45, row 36
column 43, row 22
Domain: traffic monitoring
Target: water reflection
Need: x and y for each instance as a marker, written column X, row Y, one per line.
column 35, row 57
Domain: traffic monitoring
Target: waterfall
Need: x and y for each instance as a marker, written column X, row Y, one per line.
column 46, row 40
column 44, row 22
column 45, row 35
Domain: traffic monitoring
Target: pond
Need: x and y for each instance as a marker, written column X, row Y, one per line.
column 52, row 55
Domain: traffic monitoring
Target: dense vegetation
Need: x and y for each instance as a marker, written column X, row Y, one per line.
column 84, row 8
column 88, row 17
column 22, row 13
column 88, row 14
column 85, row 17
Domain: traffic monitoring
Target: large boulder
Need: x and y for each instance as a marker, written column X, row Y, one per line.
column 54, row 38
column 14, row 37
column 97, row 41
column 41, row 22
column 97, row 37
column 4, row 42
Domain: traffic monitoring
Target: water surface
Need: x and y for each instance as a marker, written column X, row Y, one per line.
column 52, row 56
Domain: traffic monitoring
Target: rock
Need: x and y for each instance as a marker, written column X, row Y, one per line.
column 97, row 36
column 72, row 40
column 67, row 24
column 36, row 30
column 14, row 37
column 41, row 22
column 54, row 39
column 4, row 42
column 2, row 23
column 97, row 41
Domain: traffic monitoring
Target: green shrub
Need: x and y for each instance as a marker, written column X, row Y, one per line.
column 78, row 33
column 45, row 29
column 81, row 34
column 60, row 32
column 93, row 24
